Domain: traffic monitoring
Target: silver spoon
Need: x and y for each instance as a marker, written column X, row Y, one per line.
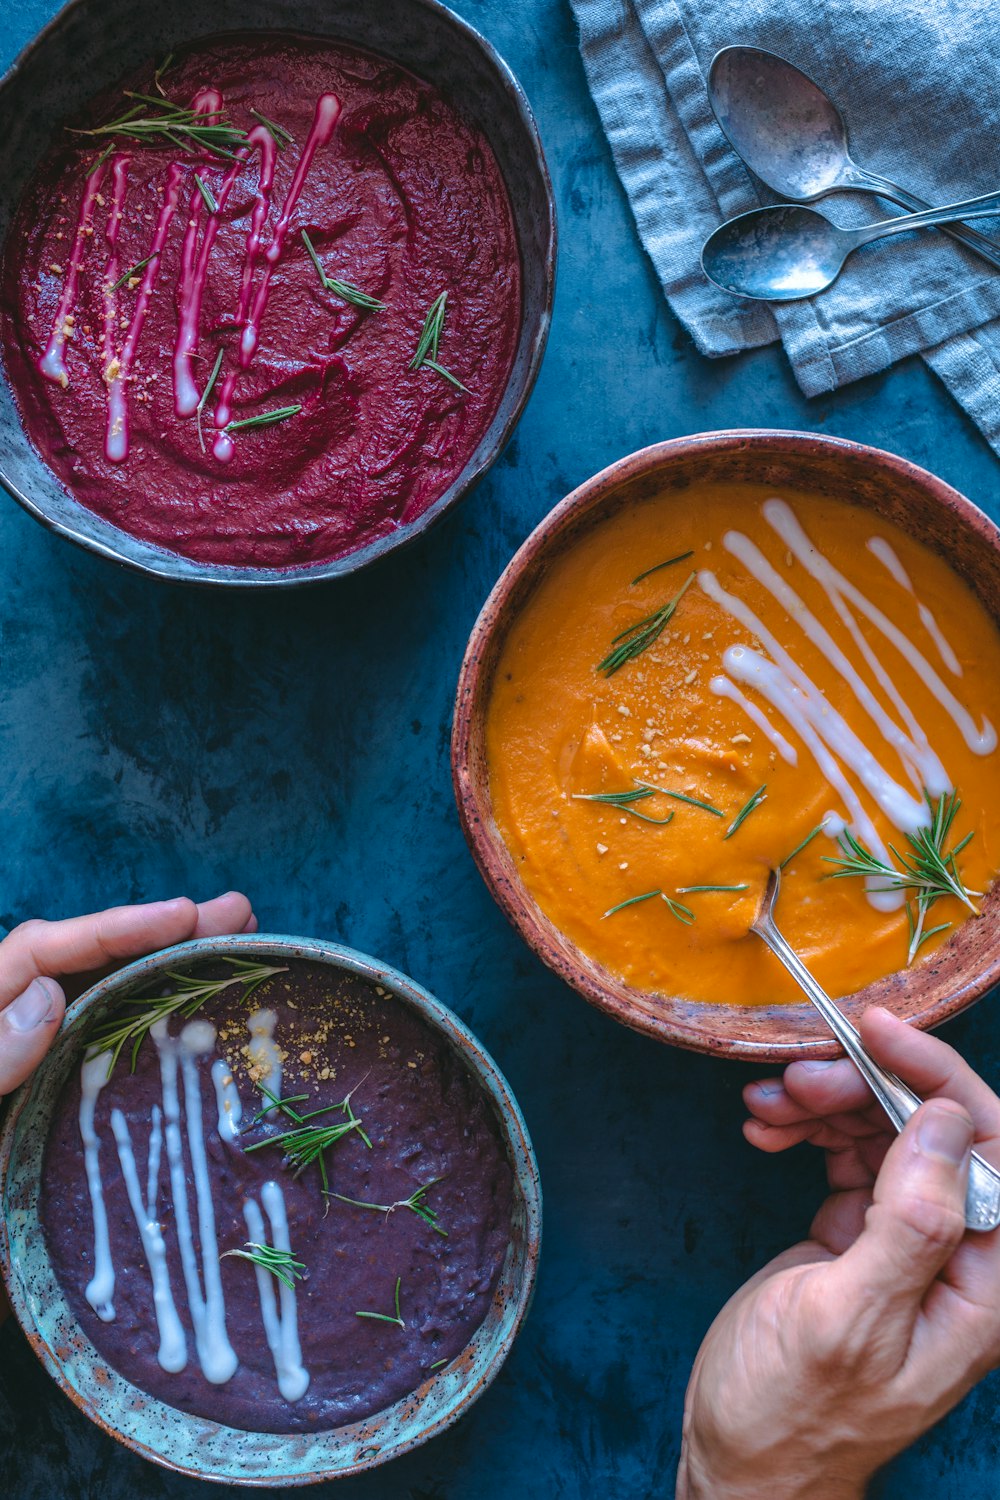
column 793, row 137
column 786, row 252
column 982, row 1202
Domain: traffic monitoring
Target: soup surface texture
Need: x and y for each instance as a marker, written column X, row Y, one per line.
column 183, row 1167
column 154, row 292
column 820, row 669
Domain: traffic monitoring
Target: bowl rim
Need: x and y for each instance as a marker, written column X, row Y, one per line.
column 175, row 567
column 480, row 1064
column 475, row 813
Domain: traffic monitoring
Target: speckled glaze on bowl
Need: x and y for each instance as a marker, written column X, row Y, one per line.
column 960, row 972
column 93, row 43
column 192, row 1445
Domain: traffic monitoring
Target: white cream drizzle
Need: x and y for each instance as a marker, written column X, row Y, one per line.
column 227, row 1099
column 723, row 688
column 281, row 1329
column 208, row 1313
column 779, row 515
column 796, row 691
column 101, row 1287
column 172, row 1353
column 265, row 1055
column 179, row 1058
column 880, row 548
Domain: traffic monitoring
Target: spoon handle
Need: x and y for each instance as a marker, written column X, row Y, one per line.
column 985, row 248
column 982, row 1202
column 984, row 207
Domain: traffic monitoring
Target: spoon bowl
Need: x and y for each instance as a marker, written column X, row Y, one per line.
column 776, row 254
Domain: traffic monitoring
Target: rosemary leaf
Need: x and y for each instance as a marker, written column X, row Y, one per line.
column 386, row 1317
column 209, row 388
column 623, row 801
column 426, row 352
column 264, row 418
column 677, row 909
column 681, row 557
column 683, row 797
column 342, row 289
column 139, row 265
column 415, row 1202
column 814, row 833
column 646, row 896
column 754, row 800
column 100, row 160
column 207, row 196
column 278, row 132
column 432, row 364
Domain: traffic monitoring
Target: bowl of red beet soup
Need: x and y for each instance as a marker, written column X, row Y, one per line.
column 269, row 1213
column 276, row 279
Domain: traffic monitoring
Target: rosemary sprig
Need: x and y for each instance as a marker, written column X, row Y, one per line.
column 927, row 868
column 681, row 557
column 264, row 418
column 207, row 196
column 426, row 352
column 278, row 132
column 385, row 1317
column 342, row 289
column 100, row 160
column 676, row 908
column 209, row 388
column 691, row 890
column 127, row 276
column 189, row 995
column 306, row 1144
column 623, row 801
column 438, row 1363
column 415, row 1202
column 281, row 1263
column 643, row 634
column 813, row 833
column 754, row 800
column 683, row 797
column 186, row 128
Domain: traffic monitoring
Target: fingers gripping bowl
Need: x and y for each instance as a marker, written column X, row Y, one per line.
column 669, row 690
column 208, row 1362
column 276, row 322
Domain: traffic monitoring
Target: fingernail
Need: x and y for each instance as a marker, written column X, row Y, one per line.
column 768, row 1087
column 943, row 1134
column 32, row 1006
column 817, row 1064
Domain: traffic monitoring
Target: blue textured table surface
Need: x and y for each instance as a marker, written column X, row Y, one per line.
column 155, row 742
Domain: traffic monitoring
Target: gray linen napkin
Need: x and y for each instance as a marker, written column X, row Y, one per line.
column 919, row 84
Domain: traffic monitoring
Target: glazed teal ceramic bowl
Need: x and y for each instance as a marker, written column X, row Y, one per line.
column 193, row 1445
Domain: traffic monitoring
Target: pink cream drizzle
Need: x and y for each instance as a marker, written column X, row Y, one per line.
column 193, row 274
column 324, row 122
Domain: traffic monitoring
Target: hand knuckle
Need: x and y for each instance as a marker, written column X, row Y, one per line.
column 30, row 931
column 940, row 1223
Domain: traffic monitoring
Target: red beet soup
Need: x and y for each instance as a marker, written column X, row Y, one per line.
column 314, row 1125
column 268, row 316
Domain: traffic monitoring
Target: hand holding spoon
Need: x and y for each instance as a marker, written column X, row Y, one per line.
column 792, row 136
column 783, row 253
column 982, row 1203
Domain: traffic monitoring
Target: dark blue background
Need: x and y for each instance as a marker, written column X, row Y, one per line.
column 156, row 742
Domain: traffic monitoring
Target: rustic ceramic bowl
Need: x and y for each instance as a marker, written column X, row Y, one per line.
column 192, row 1445
column 93, row 43
column 960, row 972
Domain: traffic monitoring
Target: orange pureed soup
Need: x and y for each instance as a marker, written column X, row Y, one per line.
column 821, row 674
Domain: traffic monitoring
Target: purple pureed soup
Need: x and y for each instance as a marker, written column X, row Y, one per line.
column 389, row 1230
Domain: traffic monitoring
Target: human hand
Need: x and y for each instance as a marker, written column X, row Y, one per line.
column 31, row 1000
column 838, row 1354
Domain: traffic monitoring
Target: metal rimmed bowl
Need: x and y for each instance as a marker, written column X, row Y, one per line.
column 193, row 1445
column 957, row 974
column 93, row 43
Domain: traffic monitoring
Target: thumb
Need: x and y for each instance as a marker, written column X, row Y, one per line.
column 27, row 1028
column 917, row 1218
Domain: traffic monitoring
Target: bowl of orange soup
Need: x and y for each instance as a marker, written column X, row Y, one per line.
column 725, row 654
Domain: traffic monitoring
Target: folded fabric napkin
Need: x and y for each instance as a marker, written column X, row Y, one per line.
column 919, row 84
